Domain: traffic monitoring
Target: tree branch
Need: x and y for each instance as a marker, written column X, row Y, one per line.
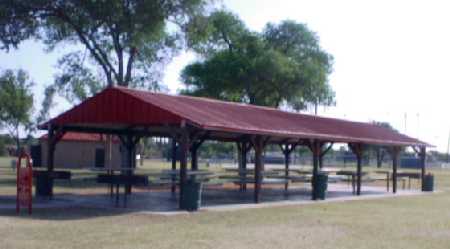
column 133, row 53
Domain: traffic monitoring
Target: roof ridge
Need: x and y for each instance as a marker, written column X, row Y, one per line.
column 243, row 104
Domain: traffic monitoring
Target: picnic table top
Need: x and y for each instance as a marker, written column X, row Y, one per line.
column 401, row 173
column 349, row 173
column 110, row 169
column 263, row 181
column 188, row 172
column 250, row 171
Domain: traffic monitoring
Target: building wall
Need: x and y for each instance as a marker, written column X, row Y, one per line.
column 81, row 154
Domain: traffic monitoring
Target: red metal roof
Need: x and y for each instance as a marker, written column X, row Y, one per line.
column 114, row 106
column 78, row 136
column 81, row 137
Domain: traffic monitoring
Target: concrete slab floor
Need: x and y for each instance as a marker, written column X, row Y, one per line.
column 163, row 202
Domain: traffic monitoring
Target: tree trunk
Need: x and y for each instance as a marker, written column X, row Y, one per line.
column 17, row 141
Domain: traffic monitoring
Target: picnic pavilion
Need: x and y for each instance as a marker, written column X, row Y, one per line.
column 132, row 114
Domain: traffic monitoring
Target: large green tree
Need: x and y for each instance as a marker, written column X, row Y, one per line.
column 16, row 103
column 282, row 65
column 128, row 41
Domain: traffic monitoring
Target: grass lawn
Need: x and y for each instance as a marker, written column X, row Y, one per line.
column 403, row 222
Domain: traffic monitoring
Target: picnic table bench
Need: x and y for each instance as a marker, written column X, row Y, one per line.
column 403, row 176
column 263, row 181
column 122, row 179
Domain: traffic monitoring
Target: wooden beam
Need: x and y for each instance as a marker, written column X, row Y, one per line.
column 315, row 147
column 395, row 158
column 51, row 146
column 196, row 142
column 358, row 151
column 258, row 145
column 174, row 163
column 324, row 152
column 423, row 162
column 287, row 153
column 184, row 148
column 287, row 150
column 246, row 147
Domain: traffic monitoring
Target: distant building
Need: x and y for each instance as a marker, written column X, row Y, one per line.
column 79, row 150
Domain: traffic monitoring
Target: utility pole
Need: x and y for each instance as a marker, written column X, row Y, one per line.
column 405, row 121
column 418, row 125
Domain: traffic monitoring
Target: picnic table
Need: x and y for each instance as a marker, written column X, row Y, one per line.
column 263, row 181
column 351, row 176
column 292, row 178
column 400, row 175
column 298, row 171
column 122, row 179
column 250, row 171
column 198, row 175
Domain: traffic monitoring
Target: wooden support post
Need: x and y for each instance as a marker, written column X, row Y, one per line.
column 194, row 146
column 423, row 162
column 130, row 159
column 286, row 153
column 194, row 159
column 321, row 161
column 239, row 161
column 246, row 147
column 287, row 150
column 316, row 148
column 395, row 158
column 358, row 151
column 51, row 146
column 258, row 145
column 358, row 169
column 324, row 152
column 174, row 164
column 184, row 148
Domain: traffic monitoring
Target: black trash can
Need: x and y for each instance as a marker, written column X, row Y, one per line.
column 320, row 185
column 192, row 195
column 428, row 183
column 44, row 185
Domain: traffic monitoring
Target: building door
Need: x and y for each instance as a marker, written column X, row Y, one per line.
column 99, row 158
column 36, row 156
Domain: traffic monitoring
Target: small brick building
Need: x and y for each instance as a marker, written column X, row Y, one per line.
column 80, row 150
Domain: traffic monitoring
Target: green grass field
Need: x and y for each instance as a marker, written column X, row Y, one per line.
column 403, row 222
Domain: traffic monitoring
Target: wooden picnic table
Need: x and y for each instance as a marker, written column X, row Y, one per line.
column 297, row 178
column 103, row 169
column 401, row 175
column 263, row 181
column 351, row 175
column 188, row 172
column 121, row 179
column 388, row 177
column 250, row 171
column 301, row 171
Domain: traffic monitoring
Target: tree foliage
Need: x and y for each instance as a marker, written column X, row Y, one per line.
column 16, row 102
column 129, row 41
column 282, row 65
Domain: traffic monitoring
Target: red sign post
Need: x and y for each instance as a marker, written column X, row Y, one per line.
column 24, row 183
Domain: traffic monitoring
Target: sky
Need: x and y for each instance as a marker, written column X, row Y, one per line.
column 390, row 59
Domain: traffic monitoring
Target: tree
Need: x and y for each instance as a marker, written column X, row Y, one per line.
column 16, row 103
column 283, row 65
column 298, row 43
column 128, row 40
